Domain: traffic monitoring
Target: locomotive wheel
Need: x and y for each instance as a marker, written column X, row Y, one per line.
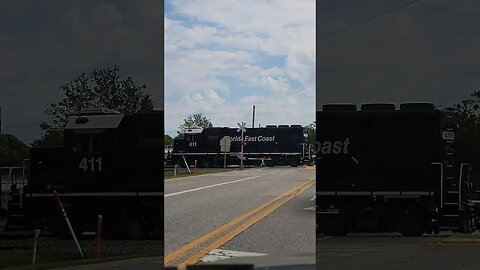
column 334, row 225
column 3, row 221
column 468, row 226
column 129, row 226
column 206, row 163
column 436, row 228
column 294, row 163
column 411, row 222
column 135, row 229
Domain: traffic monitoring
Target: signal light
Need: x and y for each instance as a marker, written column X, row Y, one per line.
column 244, row 143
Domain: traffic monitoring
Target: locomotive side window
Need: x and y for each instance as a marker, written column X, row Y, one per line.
column 87, row 143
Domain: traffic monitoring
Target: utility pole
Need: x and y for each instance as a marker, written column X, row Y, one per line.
column 253, row 119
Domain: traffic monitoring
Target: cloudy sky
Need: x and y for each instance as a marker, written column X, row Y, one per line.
column 44, row 44
column 224, row 56
column 427, row 51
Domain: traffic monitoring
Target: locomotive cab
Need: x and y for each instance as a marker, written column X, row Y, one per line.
column 90, row 138
column 190, row 140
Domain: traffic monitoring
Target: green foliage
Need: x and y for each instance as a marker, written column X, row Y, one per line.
column 103, row 88
column 194, row 121
column 12, row 151
column 49, row 137
column 311, row 133
column 467, row 142
column 168, row 140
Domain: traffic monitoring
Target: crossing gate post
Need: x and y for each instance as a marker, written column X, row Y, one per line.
column 35, row 245
column 67, row 221
column 186, row 164
column 98, row 245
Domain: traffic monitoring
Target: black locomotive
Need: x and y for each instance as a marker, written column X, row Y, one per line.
column 387, row 169
column 110, row 165
column 270, row 145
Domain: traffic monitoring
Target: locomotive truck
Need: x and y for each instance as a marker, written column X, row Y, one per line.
column 271, row 145
column 386, row 169
column 111, row 165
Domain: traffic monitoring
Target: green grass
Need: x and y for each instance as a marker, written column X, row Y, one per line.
column 169, row 174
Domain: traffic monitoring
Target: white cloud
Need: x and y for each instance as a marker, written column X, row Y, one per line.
column 292, row 109
column 208, row 43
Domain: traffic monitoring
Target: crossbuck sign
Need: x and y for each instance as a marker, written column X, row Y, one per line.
column 241, row 127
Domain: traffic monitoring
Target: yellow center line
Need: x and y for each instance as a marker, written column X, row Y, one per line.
column 263, row 212
column 215, row 233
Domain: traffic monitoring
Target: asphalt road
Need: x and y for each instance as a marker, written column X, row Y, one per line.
column 392, row 251
column 195, row 206
column 149, row 263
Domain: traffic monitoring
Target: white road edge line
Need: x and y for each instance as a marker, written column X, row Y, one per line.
column 216, row 185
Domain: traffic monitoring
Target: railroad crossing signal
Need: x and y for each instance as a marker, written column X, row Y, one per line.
column 241, row 127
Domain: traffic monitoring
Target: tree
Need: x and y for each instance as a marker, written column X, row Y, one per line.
column 12, row 151
column 467, row 141
column 311, row 133
column 194, row 121
column 168, row 140
column 103, row 88
column 50, row 136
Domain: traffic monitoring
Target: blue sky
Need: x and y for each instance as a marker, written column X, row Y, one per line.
column 222, row 57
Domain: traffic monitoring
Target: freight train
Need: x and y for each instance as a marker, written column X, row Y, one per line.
column 111, row 165
column 270, row 145
column 383, row 168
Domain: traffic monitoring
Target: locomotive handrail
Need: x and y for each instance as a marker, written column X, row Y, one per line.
column 11, row 178
column 460, row 207
column 441, row 181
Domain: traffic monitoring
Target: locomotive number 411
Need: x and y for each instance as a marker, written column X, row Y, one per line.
column 92, row 164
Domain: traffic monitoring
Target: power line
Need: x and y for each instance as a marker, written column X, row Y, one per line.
column 341, row 29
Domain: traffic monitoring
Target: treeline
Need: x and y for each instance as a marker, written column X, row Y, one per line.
column 12, row 151
column 467, row 141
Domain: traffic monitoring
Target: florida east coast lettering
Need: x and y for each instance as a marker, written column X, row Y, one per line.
column 334, row 147
column 259, row 138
